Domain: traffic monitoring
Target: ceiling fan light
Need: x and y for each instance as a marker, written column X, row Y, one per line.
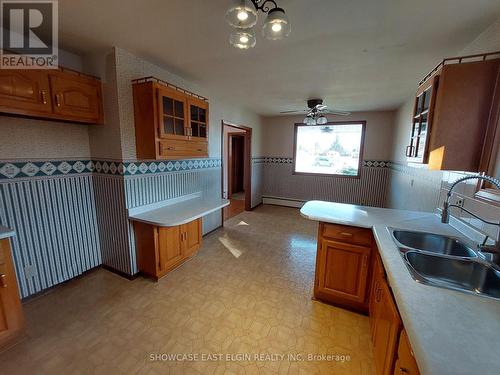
column 241, row 14
column 277, row 25
column 243, row 38
column 309, row 121
column 322, row 120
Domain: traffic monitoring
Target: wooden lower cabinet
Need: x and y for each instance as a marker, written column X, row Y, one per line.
column 387, row 326
column 350, row 273
column 161, row 249
column 11, row 312
column 405, row 363
column 342, row 266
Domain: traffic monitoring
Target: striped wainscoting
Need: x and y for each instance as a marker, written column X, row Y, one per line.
column 56, row 228
column 112, row 219
column 369, row 190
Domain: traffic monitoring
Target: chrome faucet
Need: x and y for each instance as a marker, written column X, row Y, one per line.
column 494, row 250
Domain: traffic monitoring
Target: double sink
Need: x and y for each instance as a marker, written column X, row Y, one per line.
column 446, row 262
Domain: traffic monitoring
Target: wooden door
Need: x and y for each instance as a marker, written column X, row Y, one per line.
column 11, row 313
column 387, row 327
column 172, row 114
column 76, row 98
column 191, row 238
column 378, row 275
column 236, row 165
column 170, row 251
column 343, row 270
column 25, row 92
column 406, row 363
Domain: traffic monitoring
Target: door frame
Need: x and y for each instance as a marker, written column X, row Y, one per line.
column 230, row 162
column 247, row 167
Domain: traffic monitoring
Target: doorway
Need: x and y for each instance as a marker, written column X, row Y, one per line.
column 236, row 168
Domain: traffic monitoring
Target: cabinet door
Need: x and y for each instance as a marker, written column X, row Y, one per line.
column 198, row 119
column 76, row 98
column 11, row 314
column 172, row 112
column 378, row 275
column 170, row 251
column 387, row 328
column 343, row 270
column 191, row 237
column 25, row 92
column 406, row 363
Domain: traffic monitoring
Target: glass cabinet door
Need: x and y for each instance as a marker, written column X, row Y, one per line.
column 198, row 119
column 172, row 115
column 416, row 151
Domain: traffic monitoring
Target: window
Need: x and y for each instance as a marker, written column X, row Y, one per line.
column 332, row 149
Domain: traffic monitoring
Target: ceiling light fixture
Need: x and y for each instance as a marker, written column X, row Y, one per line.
column 242, row 15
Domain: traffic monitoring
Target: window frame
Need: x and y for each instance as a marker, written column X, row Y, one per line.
column 361, row 149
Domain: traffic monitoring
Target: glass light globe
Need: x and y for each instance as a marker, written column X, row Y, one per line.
column 243, row 38
column 321, row 120
column 277, row 25
column 309, row 121
column 241, row 14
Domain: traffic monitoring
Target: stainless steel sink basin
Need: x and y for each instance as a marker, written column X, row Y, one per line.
column 460, row 274
column 433, row 243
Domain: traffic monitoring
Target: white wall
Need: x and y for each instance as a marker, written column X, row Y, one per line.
column 279, row 133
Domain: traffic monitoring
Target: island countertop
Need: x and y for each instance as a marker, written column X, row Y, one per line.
column 179, row 211
column 6, row 232
column 451, row 332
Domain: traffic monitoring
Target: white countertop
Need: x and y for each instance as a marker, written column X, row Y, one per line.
column 6, row 232
column 450, row 332
column 179, row 211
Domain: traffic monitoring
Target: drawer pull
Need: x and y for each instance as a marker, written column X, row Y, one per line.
column 3, row 283
column 170, row 148
column 345, row 234
column 43, row 96
column 58, row 103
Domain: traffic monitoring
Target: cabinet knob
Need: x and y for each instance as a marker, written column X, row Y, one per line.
column 3, row 280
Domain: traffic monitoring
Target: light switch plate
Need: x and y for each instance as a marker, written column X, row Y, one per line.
column 30, row 271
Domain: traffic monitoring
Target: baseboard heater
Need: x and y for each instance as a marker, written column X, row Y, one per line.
column 287, row 202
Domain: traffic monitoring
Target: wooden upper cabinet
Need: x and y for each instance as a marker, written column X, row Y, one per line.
column 25, row 92
column 170, row 123
column 76, row 97
column 11, row 313
column 451, row 114
column 51, row 94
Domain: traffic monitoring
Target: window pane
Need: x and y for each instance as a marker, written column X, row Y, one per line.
column 328, row 149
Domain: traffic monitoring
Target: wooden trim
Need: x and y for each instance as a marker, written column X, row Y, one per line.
column 247, row 171
column 169, row 85
column 361, row 149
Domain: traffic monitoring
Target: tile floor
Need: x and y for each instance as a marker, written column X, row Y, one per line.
column 248, row 291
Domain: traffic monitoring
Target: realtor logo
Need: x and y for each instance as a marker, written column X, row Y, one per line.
column 29, row 34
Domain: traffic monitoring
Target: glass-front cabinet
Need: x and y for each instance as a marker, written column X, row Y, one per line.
column 416, row 151
column 170, row 122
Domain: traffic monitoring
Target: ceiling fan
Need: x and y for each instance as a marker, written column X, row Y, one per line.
column 315, row 114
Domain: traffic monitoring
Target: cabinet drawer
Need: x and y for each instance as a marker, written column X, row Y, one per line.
column 348, row 234
column 180, row 148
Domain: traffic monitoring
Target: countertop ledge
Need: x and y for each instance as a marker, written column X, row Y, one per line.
column 177, row 211
column 6, row 232
column 451, row 333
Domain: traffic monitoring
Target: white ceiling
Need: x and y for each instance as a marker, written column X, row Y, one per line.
column 356, row 54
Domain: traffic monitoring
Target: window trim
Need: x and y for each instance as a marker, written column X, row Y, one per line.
column 361, row 149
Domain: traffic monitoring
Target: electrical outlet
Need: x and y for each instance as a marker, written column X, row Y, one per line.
column 459, row 202
column 30, row 271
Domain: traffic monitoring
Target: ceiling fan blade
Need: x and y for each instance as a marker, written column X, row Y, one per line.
column 338, row 112
column 321, row 107
column 295, row 111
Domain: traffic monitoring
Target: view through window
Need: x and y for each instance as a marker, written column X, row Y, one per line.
column 331, row 149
